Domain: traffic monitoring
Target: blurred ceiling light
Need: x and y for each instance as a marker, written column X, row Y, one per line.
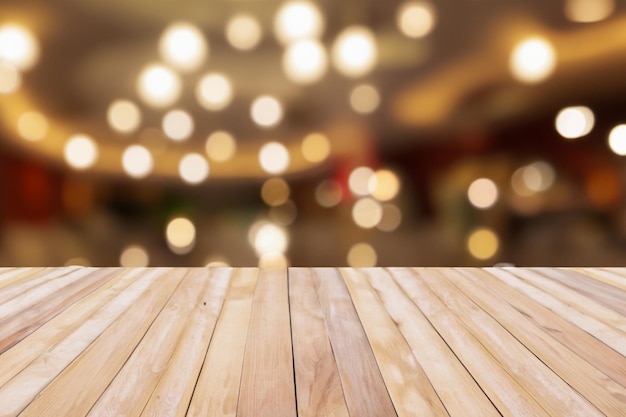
column 617, row 139
column 243, row 31
column 137, row 161
column 10, row 78
column 124, row 116
column 158, row 86
column 364, row 98
column 134, row 256
column 315, row 147
column 416, row 19
column 482, row 193
column 328, row 193
column 532, row 60
column 18, row 46
column 367, row 213
column 266, row 111
column 32, row 126
column 298, row 20
column 384, row 185
column 81, row 152
column 575, row 122
column 214, row 91
column 183, row 46
column 362, row 255
column 358, row 181
column 354, row 51
column 177, row 125
column 305, row 61
column 180, row 235
column 193, row 168
column 483, row 243
column 391, row 218
column 269, row 238
column 585, row 11
column 538, row 176
column 274, row 158
column 220, row 146
column 284, row 214
column 275, row 191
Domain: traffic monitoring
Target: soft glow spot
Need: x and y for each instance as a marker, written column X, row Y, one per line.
column 358, row 181
column 79, row 261
column 18, row 46
column 298, row 20
column 275, row 191
column 273, row 260
column 532, row 60
column 416, row 19
column 32, row 126
column 269, row 238
column 575, row 122
column 391, row 218
column 81, row 152
column 177, row 125
column 315, row 147
column 588, row 10
column 538, row 176
column 617, row 140
column 367, row 213
column 483, row 243
column 354, row 51
column 362, row 255
column 10, row 78
column 134, row 256
column 214, row 92
column 305, row 61
column 137, row 161
column 266, row 111
column 274, row 158
column 193, row 168
column 482, row 193
column 216, row 260
column 123, row 116
column 384, row 185
column 180, row 235
column 183, row 46
column 328, row 193
column 284, row 214
column 243, row 31
column 364, row 99
column 220, row 146
column 158, row 86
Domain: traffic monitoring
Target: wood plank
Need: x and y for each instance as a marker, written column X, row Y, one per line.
column 9, row 276
column 318, row 386
column 267, row 383
column 217, row 388
column 615, row 277
column 105, row 356
column 20, row 287
column 501, row 388
column 363, row 386
column 407, row 383
column 608, row 396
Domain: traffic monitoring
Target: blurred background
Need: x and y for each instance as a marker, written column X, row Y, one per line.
column 312, row 133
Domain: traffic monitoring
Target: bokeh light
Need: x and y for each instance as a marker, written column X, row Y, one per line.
column 178, row 125
column 269, row 238
column 137, row 161
column 305, row 61
column 532, row 60
column 364, row 99
column 391, row 218
column 483, row 243
column 266, row 111
column 359, row 180
column 81, row 152
column 354, row 52
column 574, row 122
column 296, row 20
column 384, row 185
column 243, row 31
column 538, row 176
column 315, row 147
column 617, row 139
column 78, row 261
column 273, row 260
column 18, row 46
column 32, row 126
column 158, row 86
column 362, row 255
column 482, row 193
column 193, row 168
column 367, row 213
column 284, row 214
column 183, row 46
column 274, row 158
column 328, row 193
column 216, row 260
column 123, row 116
column 214, row 91
column 180, row 235
column 134, row 256
column 220, row 146
column 10, row 78
column 275, row 191
column 585, row 11
column 416, row 19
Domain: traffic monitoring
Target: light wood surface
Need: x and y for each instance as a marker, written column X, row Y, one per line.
column 328, row 342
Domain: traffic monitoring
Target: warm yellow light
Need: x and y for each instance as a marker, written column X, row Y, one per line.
column 275, row 191
column 354, row 52
column 391, row 218
column 134, row 256
column 588, row 10
column 538, row 176
column 532, row 60
column 362, row 255
column 216, row 260
column 358, row 181
column 328, row 193
column 298, row 20
column 158, row 86
column 617, row 139
column 364, row 99
column 124, row 116
column 177, row 125
column 180, row 235
column 183, row 46
column 18, row 46
column 243, row 32
column 384, row 185
column 81, row 152
column 273, row 260
column 305, row 61
column 315, row 147
column 220, row 146
column 367, row 213
column 575, row 122
column 32, row 126
column 10, row 78
column 416, row 19
column 483, row 243
column 482, row 193
column 78, row 261
column 274, row 158
column 269, row 238
column 137, row 161
column 214, row 91
column 266, row 111
column 193, row 168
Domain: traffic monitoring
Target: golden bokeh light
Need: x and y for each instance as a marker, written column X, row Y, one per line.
column 354, row 52
column 274, row 158
column 482, row 193
column 359, row 179
column 134, row 256
column 18, row 46
column 32, row 126
column 585, row 11
column 193, row 168
column 328, row 193
column 216, row 260
column 391, row 218
column 305, row 61
column 483, row 243
column 180, row 235
column 81, row 152
column 367, row 213
column 214, row 91
column 275, row 191
column 384, row 185
column 177, row 125
column 297, row 20
column 362, row 255
column 158, row 86
column 243, row 31
column 416, row 19
column 78, row 261
column 273, row 260
column 266, row 111
column 574, row 122
column 532, row 60
column 10, row 78
column 269, row 238
column 183, row 46
column 617, row 140
column 284, row 214
column 123, row 116
column 220, row 146
column 364, row 99
column 315, row 147
column 137, row 161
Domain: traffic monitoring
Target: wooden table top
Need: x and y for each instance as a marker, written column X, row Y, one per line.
column 466, row 342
